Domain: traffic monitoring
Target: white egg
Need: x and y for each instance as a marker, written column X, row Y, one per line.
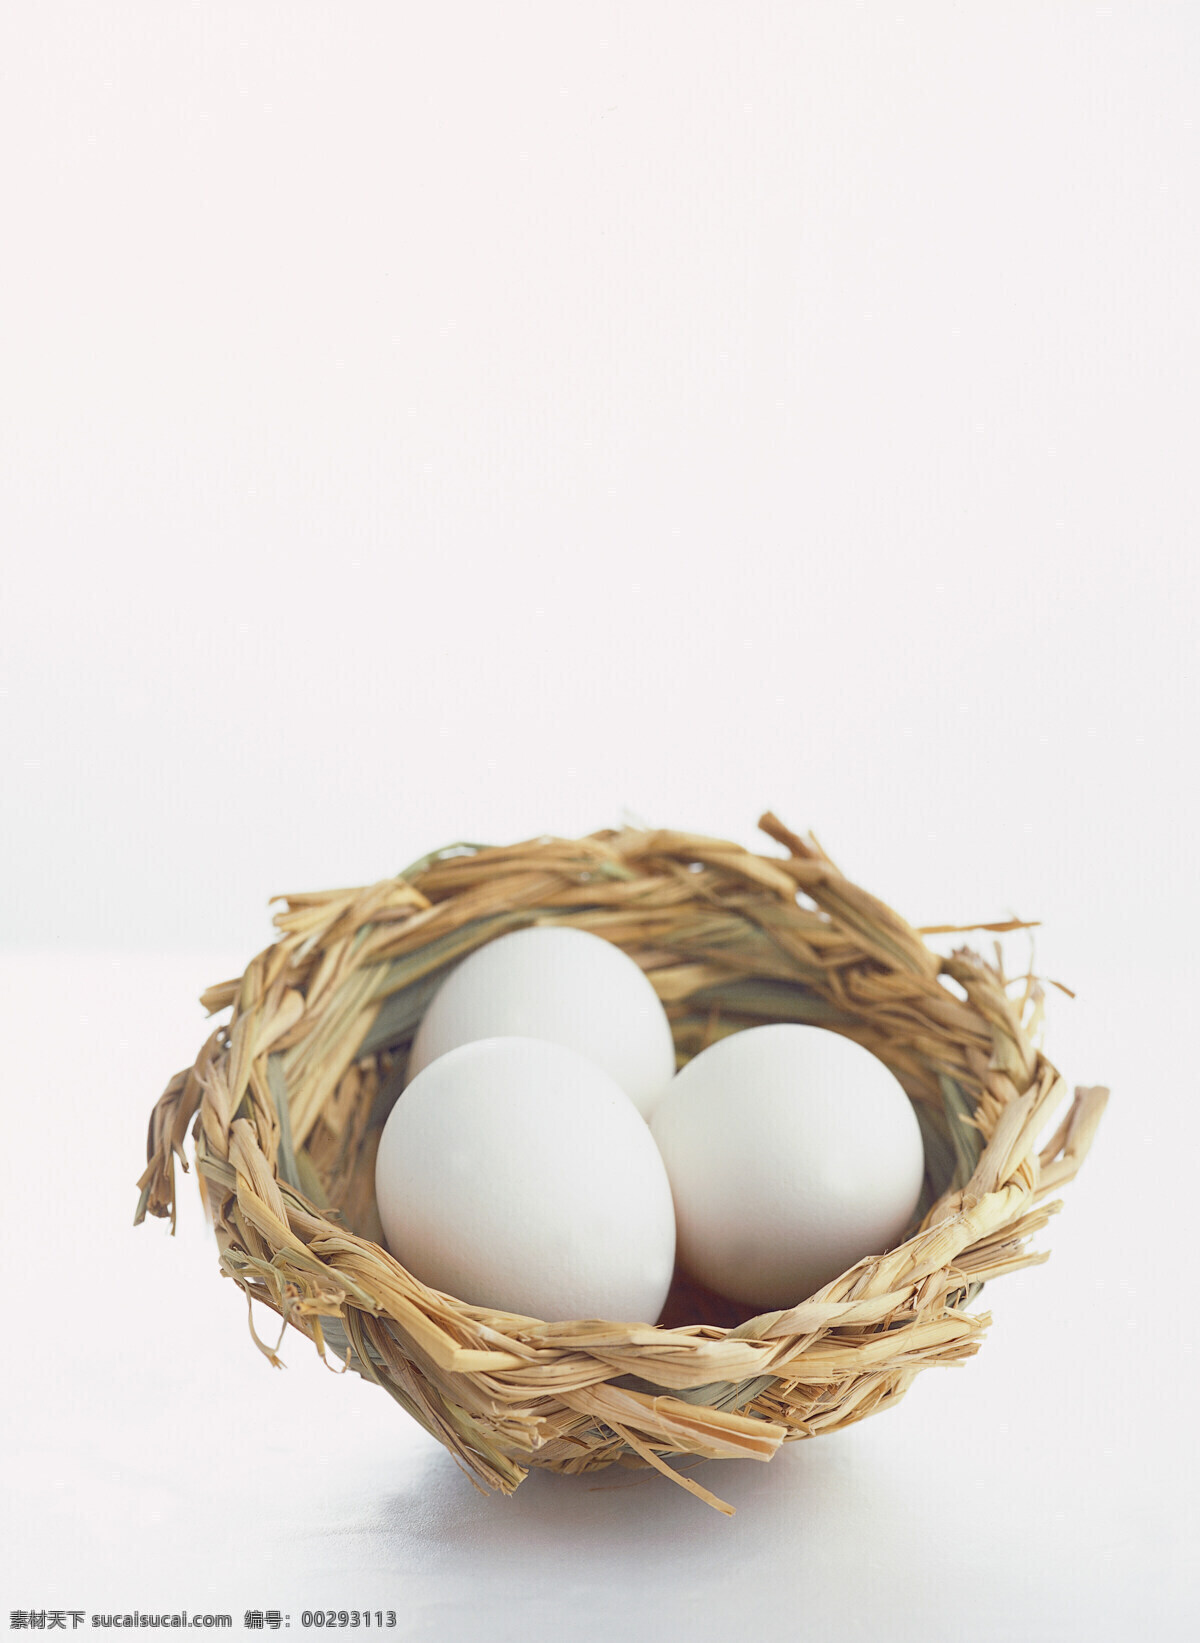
column 564, row 985
column 515, row 1174
column 792, row 1154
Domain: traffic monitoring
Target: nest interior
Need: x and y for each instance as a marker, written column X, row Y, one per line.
column 287, row 1099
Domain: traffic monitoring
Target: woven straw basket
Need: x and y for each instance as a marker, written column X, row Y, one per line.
column 292, row 1094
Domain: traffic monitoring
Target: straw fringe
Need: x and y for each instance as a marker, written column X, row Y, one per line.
column 286, row 1103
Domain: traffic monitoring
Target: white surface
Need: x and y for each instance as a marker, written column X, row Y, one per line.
column 1046, row 1489
column 420, row 423
column 435, row 422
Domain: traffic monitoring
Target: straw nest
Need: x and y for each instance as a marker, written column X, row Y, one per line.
column 289, row 1098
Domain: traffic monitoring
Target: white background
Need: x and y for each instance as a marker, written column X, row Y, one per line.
column 464, row 421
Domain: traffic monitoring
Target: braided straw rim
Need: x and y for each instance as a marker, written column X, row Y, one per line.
column 290, row 1096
